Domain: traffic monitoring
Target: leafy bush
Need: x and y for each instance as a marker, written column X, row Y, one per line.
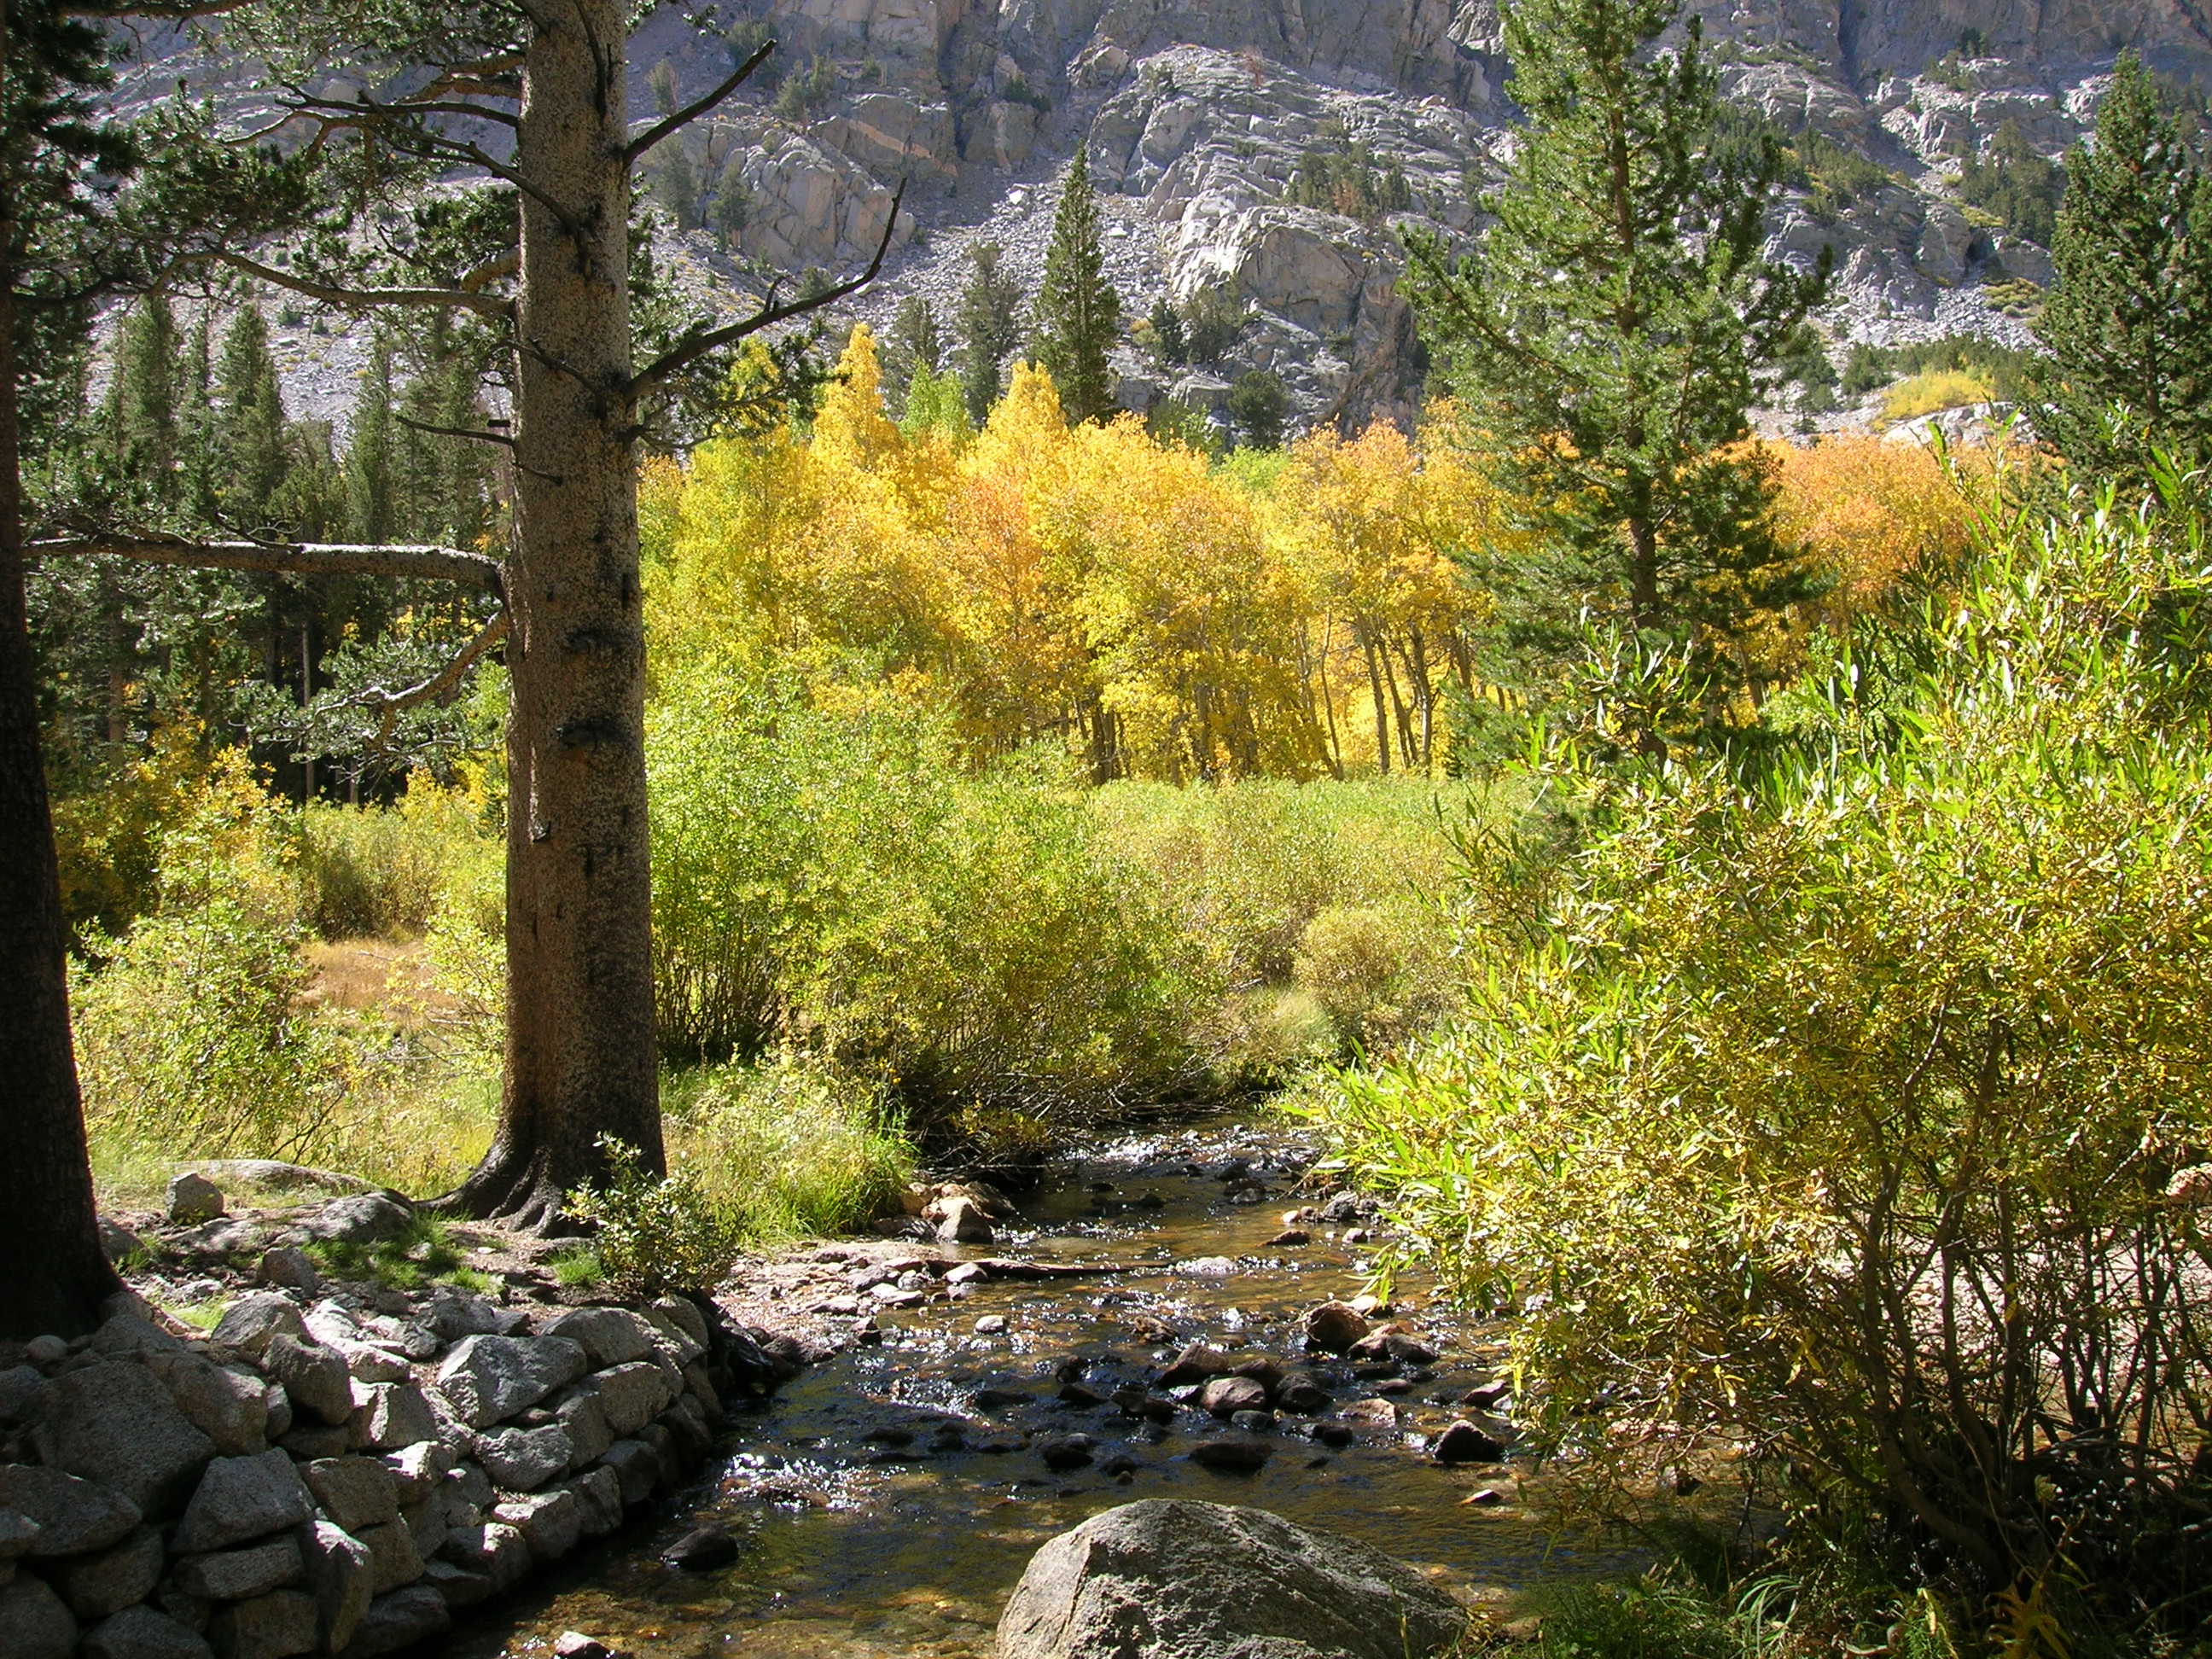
column 1935, row 390
column 789, row 1148
column 1374, row 970
column 655, row 1237
column 382, row 872
column 1851, row 1105
column 835, row 879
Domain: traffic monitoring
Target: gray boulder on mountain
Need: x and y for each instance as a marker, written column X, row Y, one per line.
column 1163, row 1579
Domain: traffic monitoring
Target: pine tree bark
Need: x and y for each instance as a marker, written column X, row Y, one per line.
column 53, row 1274
column 580, row 1052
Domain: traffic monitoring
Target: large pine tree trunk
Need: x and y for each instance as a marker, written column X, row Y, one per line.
column 581, row 1056
column 53, row 1275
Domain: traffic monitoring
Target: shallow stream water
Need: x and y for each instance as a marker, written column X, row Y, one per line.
column 886, row 1501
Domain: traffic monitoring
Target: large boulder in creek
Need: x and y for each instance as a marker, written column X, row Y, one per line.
column 1163, row 1579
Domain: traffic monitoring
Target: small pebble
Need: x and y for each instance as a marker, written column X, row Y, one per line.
column 990, row 1324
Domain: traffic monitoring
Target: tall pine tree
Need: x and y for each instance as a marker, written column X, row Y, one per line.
column 250, row 461
column 1614, row 328
column 913, row 343
column 1079, row 313
column 373, row 506
column 141, row 400
column 990, row 323
column 2128, row 323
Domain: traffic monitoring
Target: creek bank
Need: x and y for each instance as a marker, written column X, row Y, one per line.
column 335, row 1468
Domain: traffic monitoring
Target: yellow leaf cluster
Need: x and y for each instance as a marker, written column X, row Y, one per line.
column 1089, row 586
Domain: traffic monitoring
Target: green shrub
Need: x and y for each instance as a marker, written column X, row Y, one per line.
column 835, row 880
column 382, row 872
column 1376, row 970
column 655, row 1237
column 1849, row 1105
column 789, row 1148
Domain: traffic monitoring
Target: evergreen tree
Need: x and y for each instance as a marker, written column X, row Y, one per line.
column 142, row 402
column 467, row 495
column 990, row 323
column 1259, row 405
column 250, row 457
column 677, row 183
column 1168, row 337
column 1079, row 313
column 913, row 344
column 2128, row 323
column 1612, row 331
column 372, row 503
column 732, row 204
column 198, row 438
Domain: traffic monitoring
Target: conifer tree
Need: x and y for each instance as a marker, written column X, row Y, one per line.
column 372, row 503
column 1616, row 326
column 2128, row 323
column 198, row 438
column 250, row 461
column 1079, row 313
column 142, row 401
column 990, row 323
column 913, row 344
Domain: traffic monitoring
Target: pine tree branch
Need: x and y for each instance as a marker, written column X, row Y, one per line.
column 477, row 433
column 691, row 112
column 361, row 299
column 287, row 558
column 441, row 685
column 698, row 344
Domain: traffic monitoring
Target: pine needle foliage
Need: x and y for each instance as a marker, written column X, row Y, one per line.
column 1618, row 322
column 1078, row 312
column 2128, row 325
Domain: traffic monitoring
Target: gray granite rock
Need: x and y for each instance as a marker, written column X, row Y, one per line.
column 341, row 1578
column 75, row 1516
column 240, row 1499
column 191, row 1197
column 34, row 1624
column 248, row 1323
column 610, row 1336
column 1163, row 1579
column 354, row 1491
column 143, row 1633
column 488, row 1379
column 362, row 1219
column 389, row 1415
column 404, row 1619
column 313, row 1375
column 271, row 1626
column 95, row 1586
column 523, row 1460
column 240, row 1575
column 114, row 1423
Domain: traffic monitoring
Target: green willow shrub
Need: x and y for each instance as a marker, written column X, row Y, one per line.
column 382, row 872
column 789, row 1148
column 1854, row 1105
column 835, row 879
column 663, row 1236
column 1377, row 970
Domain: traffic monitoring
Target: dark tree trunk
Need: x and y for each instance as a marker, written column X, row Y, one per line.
column 53, row 1275
column 581, row 1054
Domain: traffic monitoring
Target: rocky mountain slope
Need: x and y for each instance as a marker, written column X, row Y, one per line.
column 1208, row 124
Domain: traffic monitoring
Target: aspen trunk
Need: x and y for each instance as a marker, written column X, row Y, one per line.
column 580, row 1052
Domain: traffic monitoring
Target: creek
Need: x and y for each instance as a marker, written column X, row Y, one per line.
column 885, row 1501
